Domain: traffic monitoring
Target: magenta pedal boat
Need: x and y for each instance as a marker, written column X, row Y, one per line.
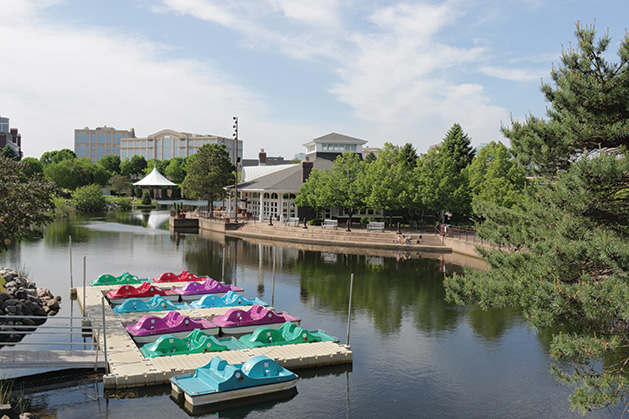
column 237, row 321
column 195, row 290
column 184, row 276
column 144, row 292
column 150, row 328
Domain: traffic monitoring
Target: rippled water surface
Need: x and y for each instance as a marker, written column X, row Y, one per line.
column 414, row 354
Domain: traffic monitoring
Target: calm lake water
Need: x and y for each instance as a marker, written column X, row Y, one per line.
column 414, row 354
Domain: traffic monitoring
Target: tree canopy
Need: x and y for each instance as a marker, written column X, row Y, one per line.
column 26, row 201
column 563, row 258
column 208, row 174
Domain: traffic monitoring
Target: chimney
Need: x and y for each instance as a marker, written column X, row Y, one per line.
column 306, row 168
column 262, row 158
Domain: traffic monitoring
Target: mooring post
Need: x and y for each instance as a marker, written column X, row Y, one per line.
column 349, row 310
column 102, row 302
column 273, row 290
column 223, row 271
column 70, row 247
column 84, row 287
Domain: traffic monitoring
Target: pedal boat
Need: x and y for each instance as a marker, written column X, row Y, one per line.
column 184, row 276
column 125, row 278
column 231, row 299
column 197, row 342
column 144, row 292
column 219, row 381
column 195, row 290
column 237, row 321
column 157, row 303
column 150, row 328
column 288, row 334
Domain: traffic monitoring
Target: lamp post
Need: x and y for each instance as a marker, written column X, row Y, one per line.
column 236, row 165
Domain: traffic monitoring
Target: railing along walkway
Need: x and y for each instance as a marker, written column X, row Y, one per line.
column 43, row 354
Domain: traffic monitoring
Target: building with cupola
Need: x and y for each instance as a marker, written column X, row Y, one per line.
column 269, row 190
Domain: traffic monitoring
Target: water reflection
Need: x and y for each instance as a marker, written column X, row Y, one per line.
column 413, row 352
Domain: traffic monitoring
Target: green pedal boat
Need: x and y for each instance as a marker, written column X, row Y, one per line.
column 288, row 334
column 196, row 342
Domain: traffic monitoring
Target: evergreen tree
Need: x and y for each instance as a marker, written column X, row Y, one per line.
column 457, row 146
column 410, row 155
column 208, row 174
column 8, row 153
column 589, row 109
column 563, row 258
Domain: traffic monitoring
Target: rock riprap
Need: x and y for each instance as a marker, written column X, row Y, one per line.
column 23, row 298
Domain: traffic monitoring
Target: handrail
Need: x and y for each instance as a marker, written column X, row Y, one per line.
column 45, row 328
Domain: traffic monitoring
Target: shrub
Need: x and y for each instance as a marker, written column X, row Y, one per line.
column 124, row 203
column 146, row 199
column 315, row 222
column 176, row 193
column 365, row 220
column 89, row 198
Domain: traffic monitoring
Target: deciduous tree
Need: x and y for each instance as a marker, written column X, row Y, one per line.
column 208, row 174
column 26, row 201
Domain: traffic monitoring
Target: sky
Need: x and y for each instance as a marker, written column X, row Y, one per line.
column 290, row 70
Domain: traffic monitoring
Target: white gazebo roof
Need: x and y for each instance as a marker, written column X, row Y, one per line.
column 154, row 178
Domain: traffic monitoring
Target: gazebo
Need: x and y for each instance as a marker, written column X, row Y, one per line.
column 154, row 179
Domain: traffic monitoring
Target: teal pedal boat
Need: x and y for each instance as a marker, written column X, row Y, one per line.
column 288, row 334
column 231, row 299
column 125, row 278
column 219, row 381
column 157, row 303
column 196, row 342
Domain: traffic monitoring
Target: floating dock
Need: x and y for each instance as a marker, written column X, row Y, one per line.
column 129, row 368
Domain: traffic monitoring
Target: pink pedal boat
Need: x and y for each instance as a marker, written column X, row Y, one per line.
column 150, row 328
column 237, row 321
column 144, row 292
column 184, row 276
column 195, row 290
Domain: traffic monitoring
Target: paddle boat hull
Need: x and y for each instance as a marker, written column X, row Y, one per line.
column 157, row 303
column 211, row 385
column 237, row 321
column 195, row 290
column 231, row 299
column 150, row 328
column 196, row 342
column 144, row 292
column 184, row 276
column 288, row 334
column 125, row 278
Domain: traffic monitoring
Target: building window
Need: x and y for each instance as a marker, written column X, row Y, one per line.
column 100, row 138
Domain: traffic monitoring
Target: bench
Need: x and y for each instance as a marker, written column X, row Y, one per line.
column 375, row 225
column 291, row 221
column 330, row 224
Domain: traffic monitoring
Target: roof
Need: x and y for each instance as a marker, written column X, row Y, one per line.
column 285, row 178
column 252, row 172
column 334, row 138
column 154, row 178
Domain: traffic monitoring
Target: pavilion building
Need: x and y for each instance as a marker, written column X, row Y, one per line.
column 269, row 191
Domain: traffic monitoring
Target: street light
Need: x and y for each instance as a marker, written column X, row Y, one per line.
column 236, row 165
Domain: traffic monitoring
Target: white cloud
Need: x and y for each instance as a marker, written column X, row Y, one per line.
column 513, row 74
column 63, row 77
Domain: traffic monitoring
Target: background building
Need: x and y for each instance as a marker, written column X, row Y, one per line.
column 166, row 144
column 10, row 136
column 100, row 142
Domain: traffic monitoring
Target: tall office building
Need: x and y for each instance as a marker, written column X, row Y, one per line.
column 166, row 144
column 100, row 142
column 9, row 136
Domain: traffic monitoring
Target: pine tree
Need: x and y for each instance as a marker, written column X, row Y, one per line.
column 564, row 250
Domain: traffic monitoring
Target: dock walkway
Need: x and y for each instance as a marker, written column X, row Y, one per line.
column 129, row 368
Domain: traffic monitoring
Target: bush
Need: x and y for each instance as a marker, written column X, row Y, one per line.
column 315, row 222
column 365, row 220
column 146, row 199
column 124, row 203
column 175, row 194
column 89, row 198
